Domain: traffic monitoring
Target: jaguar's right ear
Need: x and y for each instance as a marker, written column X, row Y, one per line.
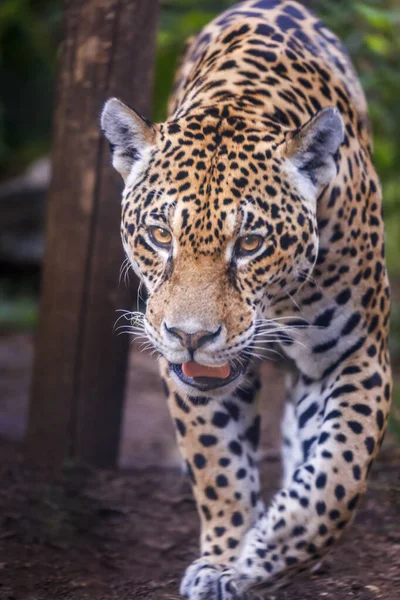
column 129, row 134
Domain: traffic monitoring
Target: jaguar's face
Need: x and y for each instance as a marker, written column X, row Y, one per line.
column 219, row 222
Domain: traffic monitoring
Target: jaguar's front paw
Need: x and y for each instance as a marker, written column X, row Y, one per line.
column 204, row 581
column 200, row 580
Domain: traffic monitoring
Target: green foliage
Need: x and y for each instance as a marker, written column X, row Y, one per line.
column 371, row 32
column 18, row 313
column 394, row 344
column 28, row 49
column 394, row 418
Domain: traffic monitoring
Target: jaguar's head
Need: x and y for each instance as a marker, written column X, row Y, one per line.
column 219, row 221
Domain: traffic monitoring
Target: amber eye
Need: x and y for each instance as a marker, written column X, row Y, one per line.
column 248, row 244
column 160, row 236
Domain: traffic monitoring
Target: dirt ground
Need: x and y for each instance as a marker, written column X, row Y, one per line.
column 128, row 535
column 116, row 536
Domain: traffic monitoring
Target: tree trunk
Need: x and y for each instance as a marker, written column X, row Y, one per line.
column 79, row 373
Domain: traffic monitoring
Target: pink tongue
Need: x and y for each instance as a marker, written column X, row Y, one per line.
column 194, row 369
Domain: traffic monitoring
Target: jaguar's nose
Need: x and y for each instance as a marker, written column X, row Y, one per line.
column 193, row 341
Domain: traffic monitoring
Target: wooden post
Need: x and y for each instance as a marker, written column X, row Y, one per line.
column 79, row 372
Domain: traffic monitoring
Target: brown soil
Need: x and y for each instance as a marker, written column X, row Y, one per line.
column 89, row 535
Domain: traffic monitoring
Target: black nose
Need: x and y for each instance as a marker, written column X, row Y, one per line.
column 193, row 341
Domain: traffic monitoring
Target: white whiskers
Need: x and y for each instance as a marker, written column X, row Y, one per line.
column 124, row 271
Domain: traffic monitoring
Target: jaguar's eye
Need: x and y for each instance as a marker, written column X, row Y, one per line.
column 248, row 244
column 160, row 236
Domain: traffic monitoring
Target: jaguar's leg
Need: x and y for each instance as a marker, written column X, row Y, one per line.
column 291, row 454
column 218, row 440
column 341, row 421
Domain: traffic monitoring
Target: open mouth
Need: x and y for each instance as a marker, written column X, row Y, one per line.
column 206, row 378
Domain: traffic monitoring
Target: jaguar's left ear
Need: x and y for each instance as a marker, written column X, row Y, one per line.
column 129, row 134
column 310, row 152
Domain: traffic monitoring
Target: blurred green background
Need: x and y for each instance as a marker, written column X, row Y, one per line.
column 29, row 34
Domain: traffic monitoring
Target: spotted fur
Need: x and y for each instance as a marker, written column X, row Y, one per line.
column 267, row 134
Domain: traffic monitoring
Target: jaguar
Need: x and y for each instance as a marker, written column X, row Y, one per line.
column 253, row 217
